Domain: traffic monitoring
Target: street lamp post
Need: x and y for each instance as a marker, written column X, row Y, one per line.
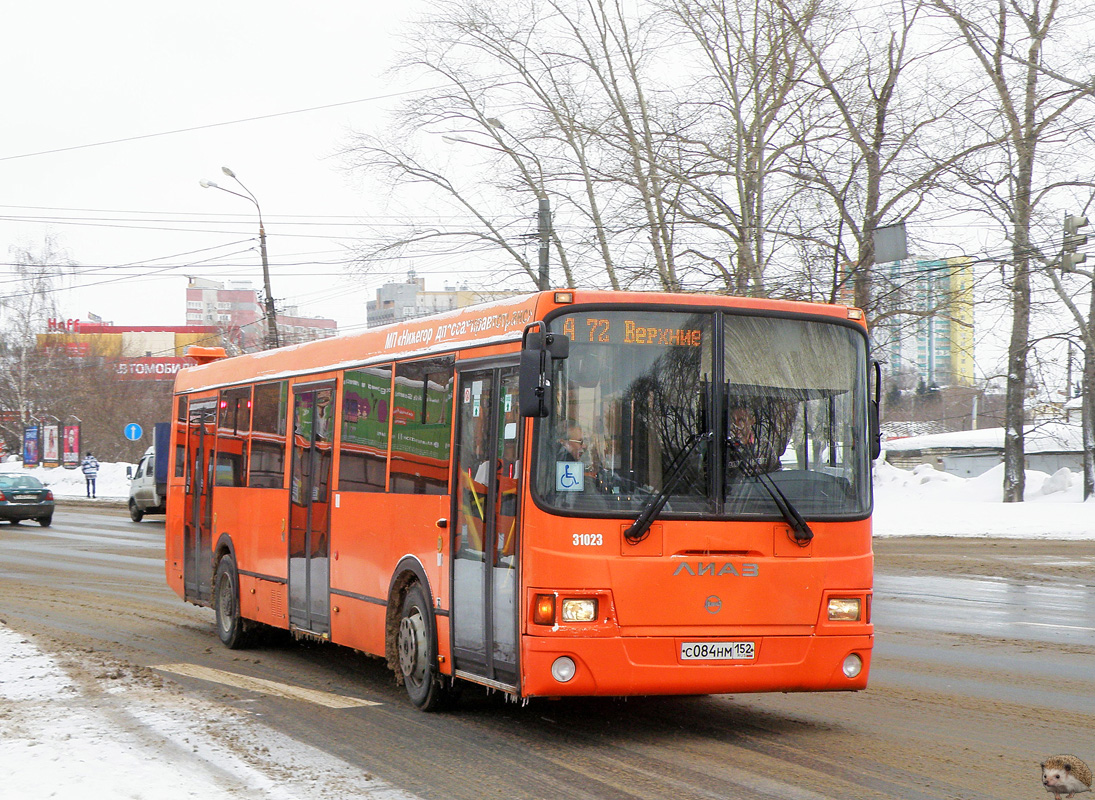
column 271, row 313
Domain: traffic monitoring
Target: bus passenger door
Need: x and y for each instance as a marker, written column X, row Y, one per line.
column 309, row 512
column 485, row 536
column 198, row 510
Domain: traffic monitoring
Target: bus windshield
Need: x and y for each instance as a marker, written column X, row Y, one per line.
column 709, row 409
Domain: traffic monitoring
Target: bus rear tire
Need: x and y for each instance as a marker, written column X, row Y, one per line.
column 232, row 629
column 417, row 645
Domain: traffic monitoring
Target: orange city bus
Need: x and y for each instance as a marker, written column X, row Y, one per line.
column 565, row 493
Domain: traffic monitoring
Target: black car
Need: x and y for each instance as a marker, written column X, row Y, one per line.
column 24, row 497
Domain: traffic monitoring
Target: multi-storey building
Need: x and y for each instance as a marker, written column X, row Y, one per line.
column 237, row 309
column 400, row 301
column 927, row 332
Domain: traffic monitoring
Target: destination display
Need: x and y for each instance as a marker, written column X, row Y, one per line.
column 635, row 329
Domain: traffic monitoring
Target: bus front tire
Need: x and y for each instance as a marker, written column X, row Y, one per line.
column 231, row 627
column 417, row 644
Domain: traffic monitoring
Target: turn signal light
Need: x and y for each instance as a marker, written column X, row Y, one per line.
column 544, row 610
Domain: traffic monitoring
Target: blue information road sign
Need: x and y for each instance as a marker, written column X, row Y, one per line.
column 133, row 431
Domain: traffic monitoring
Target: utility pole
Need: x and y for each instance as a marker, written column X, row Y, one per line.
column 269, row 310
column 1069, row 259
column 544, row 216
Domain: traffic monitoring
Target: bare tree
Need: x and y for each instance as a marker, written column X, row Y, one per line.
column 27, row 302
column 1024, row 109
column 752, row 95
column 894, row 137
column 559, row 100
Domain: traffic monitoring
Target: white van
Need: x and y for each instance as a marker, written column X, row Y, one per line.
column 148, row 482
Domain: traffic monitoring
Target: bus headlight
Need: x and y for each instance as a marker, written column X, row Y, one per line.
column 563, row 669
column 843, row 609
column 582, row 609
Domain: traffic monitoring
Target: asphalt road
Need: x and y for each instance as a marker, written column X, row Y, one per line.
column 984, row 665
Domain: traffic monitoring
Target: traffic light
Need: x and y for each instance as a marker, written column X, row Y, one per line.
column 1069, row 257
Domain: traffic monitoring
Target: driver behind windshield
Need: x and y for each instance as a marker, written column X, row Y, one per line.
column 757, row 435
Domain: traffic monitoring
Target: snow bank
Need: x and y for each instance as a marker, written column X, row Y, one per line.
column 120, row 735
column 111, row 484
column 926, row 502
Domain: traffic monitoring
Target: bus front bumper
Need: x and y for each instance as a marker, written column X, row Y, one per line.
column 622, row 666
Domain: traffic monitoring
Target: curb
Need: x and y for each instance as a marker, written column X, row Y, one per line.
column 82, row 502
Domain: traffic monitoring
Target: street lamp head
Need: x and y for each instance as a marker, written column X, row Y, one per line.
column 208, row 184
column 228, row 172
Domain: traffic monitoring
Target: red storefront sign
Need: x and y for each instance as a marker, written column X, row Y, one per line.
column 150, row 369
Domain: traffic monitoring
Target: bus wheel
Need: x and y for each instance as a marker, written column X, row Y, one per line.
column 231, row 627
column 417, row 645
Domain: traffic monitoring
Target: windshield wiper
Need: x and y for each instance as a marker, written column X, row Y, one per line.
column 638, row 530
column 752, row 467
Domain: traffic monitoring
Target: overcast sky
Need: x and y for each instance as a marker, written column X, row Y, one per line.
column 160, row 82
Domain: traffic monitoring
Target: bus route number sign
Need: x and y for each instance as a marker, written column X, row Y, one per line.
column 718, row 651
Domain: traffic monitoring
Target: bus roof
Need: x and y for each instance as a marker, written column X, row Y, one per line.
column 496, row 322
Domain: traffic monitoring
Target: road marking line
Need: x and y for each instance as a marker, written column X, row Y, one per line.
column 1054, row 625
column 264, row 686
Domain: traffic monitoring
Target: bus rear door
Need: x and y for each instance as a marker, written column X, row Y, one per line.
column 309, row 510
column 485, row 541
column 198, row 511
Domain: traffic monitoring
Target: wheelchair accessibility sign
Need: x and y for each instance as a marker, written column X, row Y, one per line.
column 570, row 476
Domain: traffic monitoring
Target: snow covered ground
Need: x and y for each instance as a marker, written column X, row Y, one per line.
column 119, row 735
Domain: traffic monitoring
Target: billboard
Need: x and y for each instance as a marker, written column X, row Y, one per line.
column 30, row 446
column 70, row 446
column 50, row 444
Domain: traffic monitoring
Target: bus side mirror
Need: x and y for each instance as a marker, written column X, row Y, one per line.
column 873, row 411
column 129, row 473
column 539, row 351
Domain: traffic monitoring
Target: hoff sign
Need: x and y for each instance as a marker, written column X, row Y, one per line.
column 62, row 325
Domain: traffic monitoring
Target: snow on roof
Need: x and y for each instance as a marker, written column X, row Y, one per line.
column 1048, row 437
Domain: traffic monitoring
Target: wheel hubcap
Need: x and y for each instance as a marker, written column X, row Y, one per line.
column 412, row 636
column 225, row 602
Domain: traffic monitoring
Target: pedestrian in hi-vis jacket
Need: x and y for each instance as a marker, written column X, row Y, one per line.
column 90, row 468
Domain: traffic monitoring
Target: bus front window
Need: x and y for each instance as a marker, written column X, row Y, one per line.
column 626, row 402
column 796, row 412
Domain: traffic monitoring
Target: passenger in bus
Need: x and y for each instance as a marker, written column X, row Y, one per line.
column 572, row 486
column 572, row 444
column 324, row 418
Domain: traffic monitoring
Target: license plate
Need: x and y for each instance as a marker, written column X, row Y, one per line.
column 26, row 497
column 718, row 651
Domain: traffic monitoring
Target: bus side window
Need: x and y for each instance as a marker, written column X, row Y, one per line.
column 232, row 429
column 363, row 454
column 180, row 436
column 268, row 413
column 422, row 426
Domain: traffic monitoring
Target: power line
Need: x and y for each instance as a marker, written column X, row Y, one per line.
column 217, row 124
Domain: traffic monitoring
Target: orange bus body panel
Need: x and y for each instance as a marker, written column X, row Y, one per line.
column 371, row 533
